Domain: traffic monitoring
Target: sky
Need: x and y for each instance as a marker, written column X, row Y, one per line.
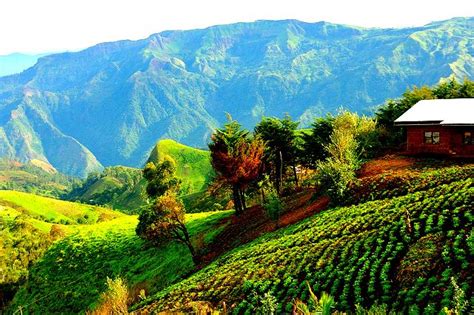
column 37, row 26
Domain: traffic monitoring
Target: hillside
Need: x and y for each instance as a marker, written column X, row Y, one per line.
column 123, row 187
column 180, row 84
column 34, row 177
column 363, row 254
column 193, row 166
column 29, row 225
column 77, row 284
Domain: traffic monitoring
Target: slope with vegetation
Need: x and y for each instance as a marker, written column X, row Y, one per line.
column 29, row 224
column 401, row 240
column 399, row 251
column 73, row 272
column 179, row 84
column 123, row 188
column 34, row 177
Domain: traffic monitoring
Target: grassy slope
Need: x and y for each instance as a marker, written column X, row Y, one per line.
column 361, row 254
column 72, row 274
column 52, row 210
column 193, row 166
column 35, row 177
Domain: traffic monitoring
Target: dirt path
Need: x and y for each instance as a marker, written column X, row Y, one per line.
column 254, row 223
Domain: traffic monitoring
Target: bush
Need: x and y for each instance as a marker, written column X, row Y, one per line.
column 273, row 207
column 334, row 178
column 114, row 299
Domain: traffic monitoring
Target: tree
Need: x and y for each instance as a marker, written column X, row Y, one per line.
column 338, row 170
column 315, row 141
column 237, row 159
column 281, row 149
column 160, row 178
column 164, row 219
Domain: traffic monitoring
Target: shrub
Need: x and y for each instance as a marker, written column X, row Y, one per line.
column 114, row 299
column 273, row 207
column 334, row 178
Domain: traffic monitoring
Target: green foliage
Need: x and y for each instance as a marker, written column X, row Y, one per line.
column 160, row 178
column 266, row 304
column 72, row 274
column 281, row 146
column 124, row 188
column 350, row 253
column 314, row 142
column 192, row 165
column 21, row 245
column 321, row 306
column 47, row 211
column 120, row 187
column 390, row 186
column 273, row 207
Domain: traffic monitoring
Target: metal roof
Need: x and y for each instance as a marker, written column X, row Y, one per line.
column 457, row 112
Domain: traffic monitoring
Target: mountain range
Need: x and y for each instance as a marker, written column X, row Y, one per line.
column 108, row 104
column 17, row 62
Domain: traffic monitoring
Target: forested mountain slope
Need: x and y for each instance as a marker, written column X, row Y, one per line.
column 108, row 104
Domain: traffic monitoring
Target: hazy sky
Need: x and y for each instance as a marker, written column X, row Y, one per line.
column 34, row 26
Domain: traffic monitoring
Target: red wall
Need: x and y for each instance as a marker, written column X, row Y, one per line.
column 451, row 140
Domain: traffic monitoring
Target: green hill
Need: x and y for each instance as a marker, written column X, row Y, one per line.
column 29, row 225
column 193, row 166
column 123, row 188
column 72, row 273
column 180, row 84
column 34, row 177
column 119, row 187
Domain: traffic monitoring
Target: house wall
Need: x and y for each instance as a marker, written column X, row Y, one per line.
column 451, row 141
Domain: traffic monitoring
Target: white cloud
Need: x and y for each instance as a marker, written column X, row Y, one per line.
column 53, row 25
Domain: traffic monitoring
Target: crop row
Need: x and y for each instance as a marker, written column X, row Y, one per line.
column 353, row 253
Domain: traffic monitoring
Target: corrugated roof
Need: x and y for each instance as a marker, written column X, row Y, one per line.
column 458, row 111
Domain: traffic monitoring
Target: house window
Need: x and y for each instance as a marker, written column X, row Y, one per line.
column 468, row 138
column 432, row 137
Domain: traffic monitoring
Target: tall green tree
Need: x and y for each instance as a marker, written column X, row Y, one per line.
column 164, row 219
column 281, row 147
column 314, row 142
column 236, row 157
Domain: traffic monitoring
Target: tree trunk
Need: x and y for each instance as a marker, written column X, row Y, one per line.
column 262, row 192
column 242, row 199
column 279, row 172
column 296, row 175
column 237, row 200
column 187, row 242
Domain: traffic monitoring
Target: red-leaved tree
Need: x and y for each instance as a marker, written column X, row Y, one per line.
column 237, row 159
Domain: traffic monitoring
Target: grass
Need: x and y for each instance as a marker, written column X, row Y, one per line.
column 193, row 166
column 52, row 210
column 75, row 269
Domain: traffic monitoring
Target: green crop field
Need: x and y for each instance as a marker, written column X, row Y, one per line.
column 399, row 242
column 362, row 254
